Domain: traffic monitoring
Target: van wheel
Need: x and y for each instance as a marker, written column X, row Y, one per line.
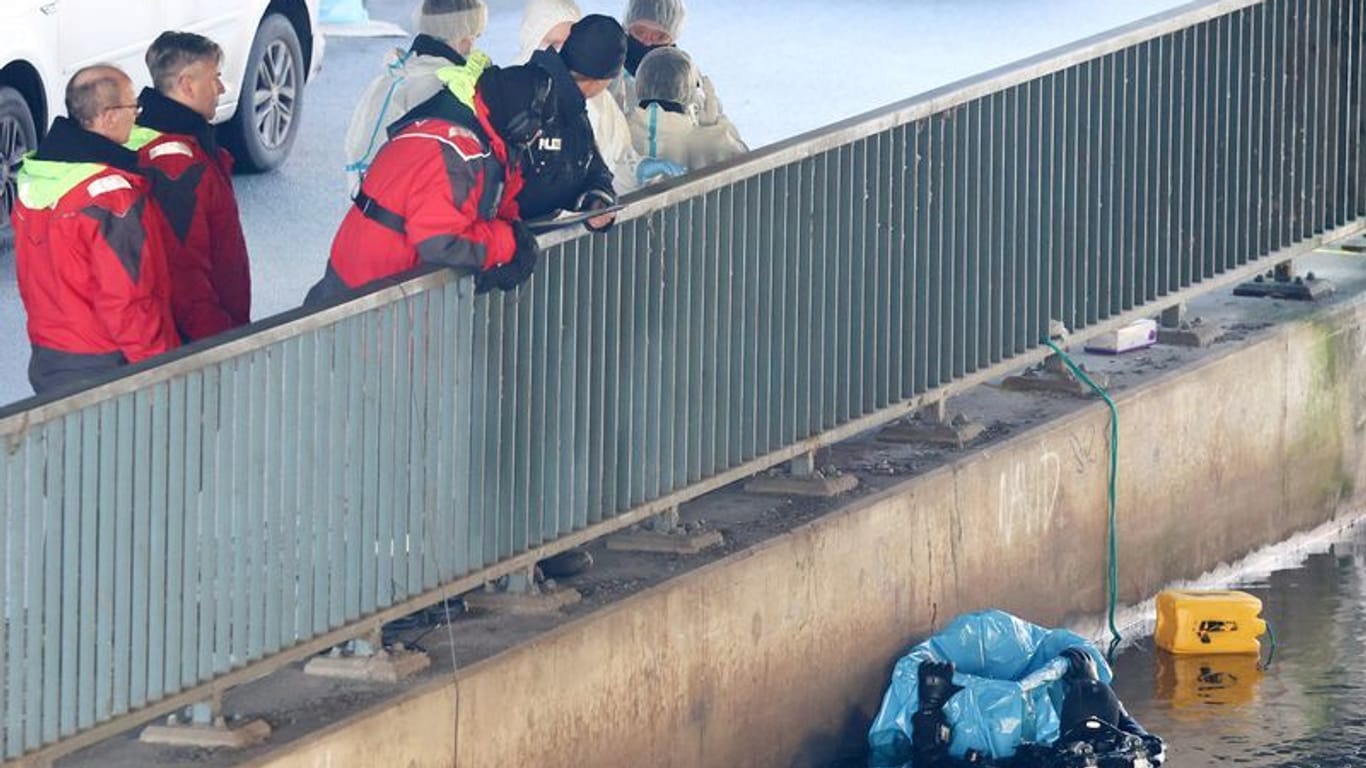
column 262, row 132
column 17, row 137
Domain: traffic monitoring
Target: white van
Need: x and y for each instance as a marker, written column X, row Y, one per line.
column 271, row 47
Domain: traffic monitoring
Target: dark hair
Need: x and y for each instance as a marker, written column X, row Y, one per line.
column 172, row 52
column 92, row 90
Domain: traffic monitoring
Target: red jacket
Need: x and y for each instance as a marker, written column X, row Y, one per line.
column 440, row 191
column 192, row 181
column 90, row 255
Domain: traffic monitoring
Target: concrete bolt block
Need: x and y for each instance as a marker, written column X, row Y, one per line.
column 215, row 736
column 817, row 485
column 540, row 602
column 679, row 542
column 1190, row 333
column 382, row 667
column 955, row 432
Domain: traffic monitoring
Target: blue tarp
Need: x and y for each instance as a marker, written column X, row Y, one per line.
column 992, row 652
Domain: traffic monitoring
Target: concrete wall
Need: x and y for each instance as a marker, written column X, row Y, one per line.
column 775, row 655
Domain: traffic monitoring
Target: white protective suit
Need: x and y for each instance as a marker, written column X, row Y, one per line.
column 668, row 75
column 704, row 102
column 411, row 77
column 679, row 138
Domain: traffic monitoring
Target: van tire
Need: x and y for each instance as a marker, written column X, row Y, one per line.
column 18, row 135
column 266, row 124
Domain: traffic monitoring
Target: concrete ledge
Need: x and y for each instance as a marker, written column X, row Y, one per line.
column 779, row 654
column 417, row 731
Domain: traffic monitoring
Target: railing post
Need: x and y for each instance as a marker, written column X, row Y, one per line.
column 804, row 466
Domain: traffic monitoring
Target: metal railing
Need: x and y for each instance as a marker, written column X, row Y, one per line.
column 233, row 508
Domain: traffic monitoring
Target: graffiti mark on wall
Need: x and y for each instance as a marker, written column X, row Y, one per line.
column 1027, row 495
column 1088, row 448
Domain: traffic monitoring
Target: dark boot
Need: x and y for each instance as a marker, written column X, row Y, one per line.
column 570, row 562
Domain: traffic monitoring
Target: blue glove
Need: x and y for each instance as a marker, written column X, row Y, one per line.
column 653, row 169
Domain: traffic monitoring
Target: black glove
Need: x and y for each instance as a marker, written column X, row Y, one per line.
column 1156, row 749
column 930, row 736
column 936, row 684
column 595, row 200
column 1082, row 665
column 507, row 276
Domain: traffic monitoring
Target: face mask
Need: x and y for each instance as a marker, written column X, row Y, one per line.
column 636, row 50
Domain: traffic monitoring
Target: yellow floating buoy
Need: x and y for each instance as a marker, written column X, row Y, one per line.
column 1208, row 622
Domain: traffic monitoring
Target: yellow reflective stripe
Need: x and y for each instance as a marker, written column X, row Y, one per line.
column 141, row 137
column 42, row 183
column 461, row 80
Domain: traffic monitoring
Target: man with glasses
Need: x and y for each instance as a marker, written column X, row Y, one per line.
column 90, row 243
column 192, row 182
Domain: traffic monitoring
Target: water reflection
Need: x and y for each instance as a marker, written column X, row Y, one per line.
column 1307, row 709
column 1198, row 688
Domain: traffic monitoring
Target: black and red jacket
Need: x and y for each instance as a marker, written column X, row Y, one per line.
column 90, row 255
column 442, row 190
column 192, row 181
column 563, row 164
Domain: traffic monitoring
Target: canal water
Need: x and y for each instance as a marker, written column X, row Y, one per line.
column 1306, row 709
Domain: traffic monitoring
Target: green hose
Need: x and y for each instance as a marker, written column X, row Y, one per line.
column 1113, row 574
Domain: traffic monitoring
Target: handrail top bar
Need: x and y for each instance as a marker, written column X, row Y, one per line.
column 20, row 416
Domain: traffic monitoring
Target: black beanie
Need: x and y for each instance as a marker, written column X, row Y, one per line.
column 596, row 47
column 518, row 99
